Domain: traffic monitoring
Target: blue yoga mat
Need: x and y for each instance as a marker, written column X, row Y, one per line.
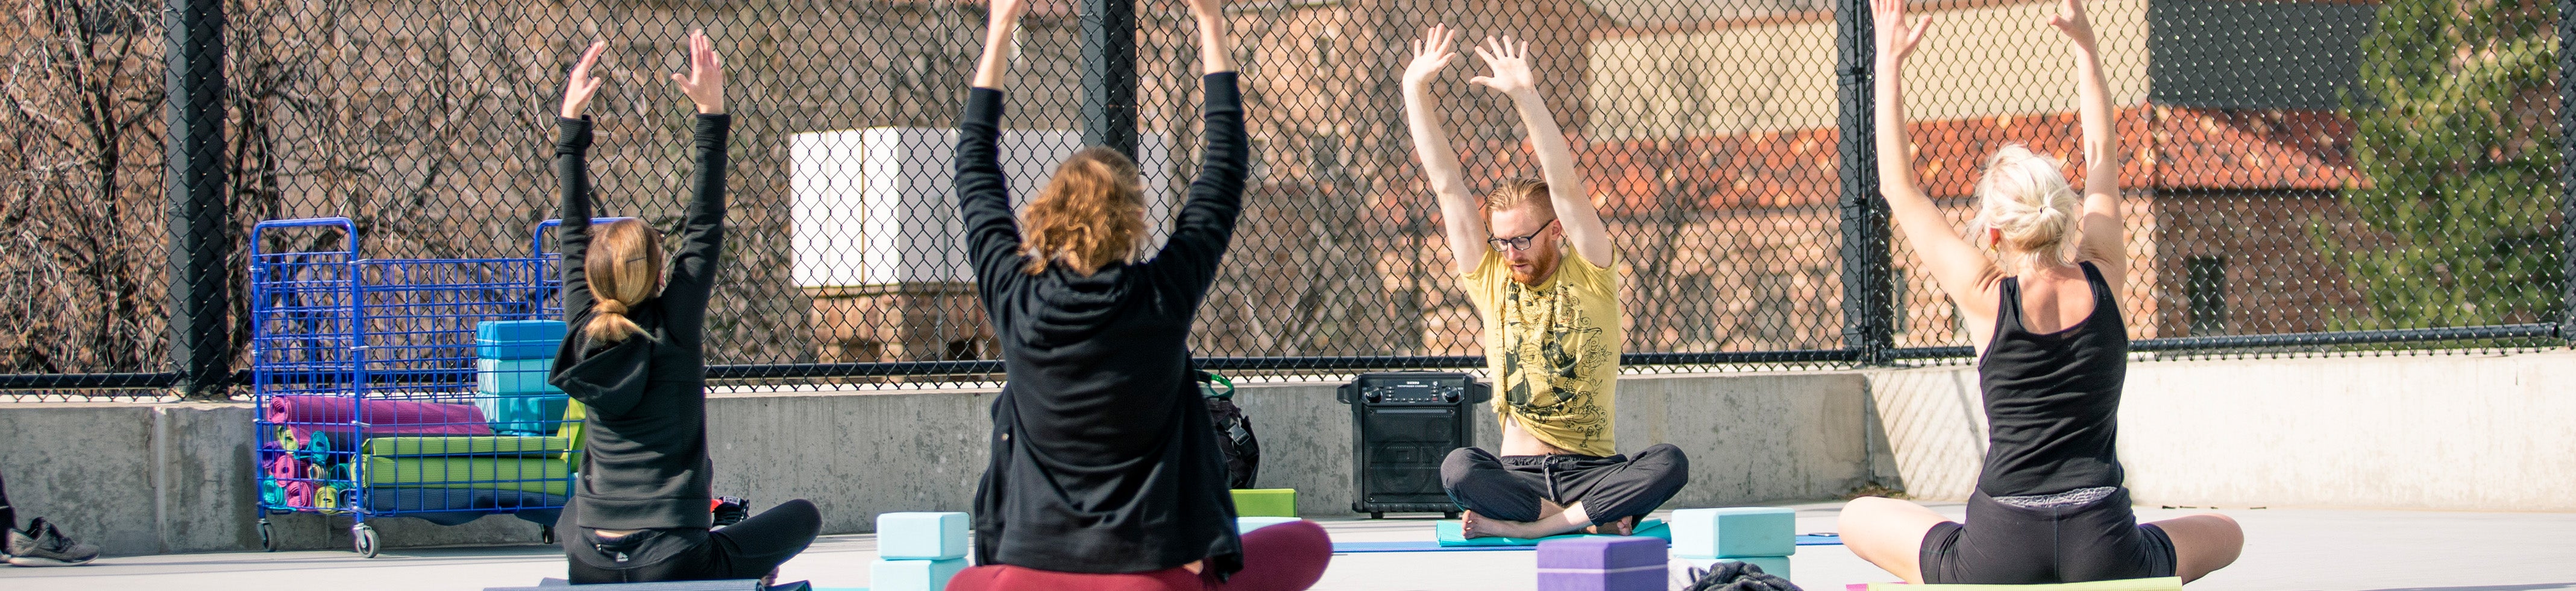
column 1454, row 534
column 1430, row 546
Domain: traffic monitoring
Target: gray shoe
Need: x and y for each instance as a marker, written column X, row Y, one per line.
column 42, row 545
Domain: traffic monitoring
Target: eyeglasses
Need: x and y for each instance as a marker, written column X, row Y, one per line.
column 1521, row 242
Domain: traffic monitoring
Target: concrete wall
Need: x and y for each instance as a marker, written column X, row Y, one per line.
column 2457, row 432
column 139, row 479
column 2424, row 432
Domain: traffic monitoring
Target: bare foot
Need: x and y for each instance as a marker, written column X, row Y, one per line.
column 1624, row 526
column 1478, row 526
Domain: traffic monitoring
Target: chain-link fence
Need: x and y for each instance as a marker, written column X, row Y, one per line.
column 2301, row 176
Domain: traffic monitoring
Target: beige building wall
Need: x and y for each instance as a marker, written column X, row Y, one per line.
column 1778, row 75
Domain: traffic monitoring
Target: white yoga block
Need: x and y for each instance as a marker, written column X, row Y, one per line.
column 1731, row 532
column 921, row 535
column 913, row 575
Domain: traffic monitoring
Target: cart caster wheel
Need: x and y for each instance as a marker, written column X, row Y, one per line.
column 547, row 535
column 267, row 543
column 1377, row 515
column 363, row 537
column 1448, row 514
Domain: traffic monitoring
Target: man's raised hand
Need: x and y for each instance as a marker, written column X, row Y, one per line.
column 1431, row 53
column 704, row 82
column 579, row 86
column 1509, row 60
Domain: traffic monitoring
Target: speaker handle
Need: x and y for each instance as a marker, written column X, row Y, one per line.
column 1343, row 393
column 1479, row 392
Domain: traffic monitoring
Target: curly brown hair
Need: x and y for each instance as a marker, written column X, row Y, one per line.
column 1091, row 214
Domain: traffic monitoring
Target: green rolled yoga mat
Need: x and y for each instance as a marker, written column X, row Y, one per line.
column 2157, row 584
column 1454, row 534
column 469, row 446
column 543, row 475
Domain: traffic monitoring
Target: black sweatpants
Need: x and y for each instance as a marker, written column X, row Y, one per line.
column 1611, row 488
column 2007, row 545
column 8, row 514
column 748, row 549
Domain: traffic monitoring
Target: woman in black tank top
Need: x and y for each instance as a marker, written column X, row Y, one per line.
column 2035, row 293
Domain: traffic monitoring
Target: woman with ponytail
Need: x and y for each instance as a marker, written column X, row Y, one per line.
column 2032, row 282
column 636, row 357
column 1105, row 472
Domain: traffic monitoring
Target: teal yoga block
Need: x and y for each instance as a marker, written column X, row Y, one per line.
column 1245, row 525
column 913, row 575
column 1733, row 532
column 514, row 377
column 523, row 414
column 1774, row 565
column 921, row 536
column 518, row 339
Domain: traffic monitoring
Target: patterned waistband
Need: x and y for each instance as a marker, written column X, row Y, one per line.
column 2072, row 498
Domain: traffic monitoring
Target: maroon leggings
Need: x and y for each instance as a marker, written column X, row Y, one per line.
column 1284, row 557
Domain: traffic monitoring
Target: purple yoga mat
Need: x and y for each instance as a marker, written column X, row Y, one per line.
column 335, row 417
column 379, row 413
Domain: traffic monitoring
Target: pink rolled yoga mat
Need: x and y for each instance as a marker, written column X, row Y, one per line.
column 299, row 494
column 284, row 467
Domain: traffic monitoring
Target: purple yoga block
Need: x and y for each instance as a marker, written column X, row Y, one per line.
column 1602, row 563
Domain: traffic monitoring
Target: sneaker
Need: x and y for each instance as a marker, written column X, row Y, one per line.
column 730, row 510
column 42, row 545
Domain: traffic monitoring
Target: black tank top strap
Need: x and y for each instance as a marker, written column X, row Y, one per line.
column 2008, row 312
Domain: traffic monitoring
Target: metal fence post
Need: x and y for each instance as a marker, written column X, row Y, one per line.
column 1868, row 315
column 2567, row 169
column 1109, row 74
column 200, row 346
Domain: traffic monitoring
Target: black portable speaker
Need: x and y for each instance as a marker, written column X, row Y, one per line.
column 1402, row 425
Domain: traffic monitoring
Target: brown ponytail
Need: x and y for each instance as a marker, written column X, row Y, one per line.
column 1090, row 214
column 624, row 267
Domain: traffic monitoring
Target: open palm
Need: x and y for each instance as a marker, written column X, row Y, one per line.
column 1431, row 53
column 579, row 86
column 1509, row 60
column 704, row 82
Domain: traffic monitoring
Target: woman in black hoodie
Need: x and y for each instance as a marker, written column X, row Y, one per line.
column 1104, row 470
column 636, row 358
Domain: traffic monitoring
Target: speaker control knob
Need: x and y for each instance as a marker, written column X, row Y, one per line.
column 1375, row 397
column 1451, row 396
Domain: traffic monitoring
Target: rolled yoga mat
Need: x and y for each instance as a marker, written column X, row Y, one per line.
column 329, row 423
column 287, row 468
column 299, row 494
column 469, row 446
column 542, row 475
column 327, row 499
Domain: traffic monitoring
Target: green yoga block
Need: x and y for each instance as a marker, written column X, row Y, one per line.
column 1772, row 565
column 2156, row 584
column 1265, row 502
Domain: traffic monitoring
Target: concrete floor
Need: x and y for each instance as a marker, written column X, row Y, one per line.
column 2287, row 550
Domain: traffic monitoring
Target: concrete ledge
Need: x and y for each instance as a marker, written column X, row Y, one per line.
column 143, row 479
column 2457, row 432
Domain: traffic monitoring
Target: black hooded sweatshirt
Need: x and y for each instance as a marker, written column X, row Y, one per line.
column 644, row 462
column 1103, row 457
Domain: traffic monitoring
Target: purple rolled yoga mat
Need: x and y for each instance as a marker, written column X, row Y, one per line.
column 379, row 413
column 334, row 415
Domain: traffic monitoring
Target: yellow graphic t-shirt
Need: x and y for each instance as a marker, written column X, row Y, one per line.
column 1553, row 348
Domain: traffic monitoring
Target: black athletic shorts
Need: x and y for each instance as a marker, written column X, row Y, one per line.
column 2009, row 545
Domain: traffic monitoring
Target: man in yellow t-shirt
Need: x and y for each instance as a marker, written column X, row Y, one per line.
column 1543, row 279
